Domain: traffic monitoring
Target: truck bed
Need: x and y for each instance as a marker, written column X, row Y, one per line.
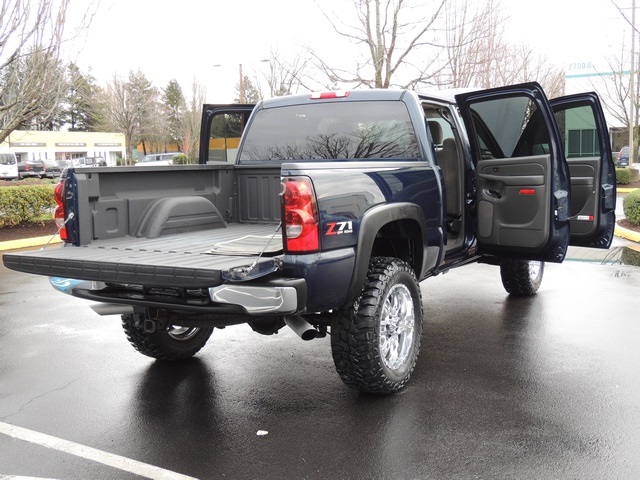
column 192, row 259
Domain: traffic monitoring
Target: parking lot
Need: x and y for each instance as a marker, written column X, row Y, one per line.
column 542, row 387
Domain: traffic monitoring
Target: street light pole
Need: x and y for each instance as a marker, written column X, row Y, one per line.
column 632, row 75
column 241, row 85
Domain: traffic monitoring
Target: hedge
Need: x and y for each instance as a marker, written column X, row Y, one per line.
column 631, row 207
column 25, row 203
column 623, row 176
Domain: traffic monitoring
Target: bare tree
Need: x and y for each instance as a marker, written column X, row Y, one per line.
column 615, row 89
column 473, row 43
column 190, row 131
column 395, row 37
column 32, row 80
column 286, row 78
column 121, row 112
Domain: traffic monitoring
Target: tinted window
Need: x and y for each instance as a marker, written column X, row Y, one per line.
column 578, row 131
column 7, row 159
column 509, row 127
column 224, row 136
column 327, row 131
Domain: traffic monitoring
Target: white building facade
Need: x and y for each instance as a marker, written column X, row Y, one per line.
column 35, row 145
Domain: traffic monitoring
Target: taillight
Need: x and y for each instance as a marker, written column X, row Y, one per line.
column 58, row 213
column 301, row 223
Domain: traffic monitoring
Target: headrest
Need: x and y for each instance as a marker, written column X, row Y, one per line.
column 436, row 132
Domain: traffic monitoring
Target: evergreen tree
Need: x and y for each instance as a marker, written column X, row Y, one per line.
column 175, row 106
column 83, row 111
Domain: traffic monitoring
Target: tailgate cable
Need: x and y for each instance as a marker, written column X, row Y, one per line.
column 71, row 215
column 240, row 273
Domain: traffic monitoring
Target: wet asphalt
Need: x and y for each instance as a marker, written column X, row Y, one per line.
column 542, row 387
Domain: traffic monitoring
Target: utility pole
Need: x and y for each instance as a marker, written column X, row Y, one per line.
column 241, row 84
column 632, row 96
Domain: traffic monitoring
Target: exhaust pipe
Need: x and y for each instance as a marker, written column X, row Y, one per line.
column 302, row 328
column 111, row 309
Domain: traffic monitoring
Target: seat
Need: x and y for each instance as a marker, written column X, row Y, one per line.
column 450, row 166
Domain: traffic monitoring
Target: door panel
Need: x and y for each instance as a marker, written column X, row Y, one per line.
column 585, row 139
column 512, row 201
column 522, row 178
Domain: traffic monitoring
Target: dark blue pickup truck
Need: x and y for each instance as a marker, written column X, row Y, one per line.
column 328, row 213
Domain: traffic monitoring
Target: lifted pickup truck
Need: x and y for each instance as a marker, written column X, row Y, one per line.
column 328, row 213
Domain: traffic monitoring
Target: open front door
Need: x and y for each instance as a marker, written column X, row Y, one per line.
column 522, row 176
column 585, row 138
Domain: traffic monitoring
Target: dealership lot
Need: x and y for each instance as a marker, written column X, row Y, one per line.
column 519, row 388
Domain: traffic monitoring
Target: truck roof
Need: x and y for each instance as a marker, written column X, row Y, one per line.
column 350, row 95
column 444, row 95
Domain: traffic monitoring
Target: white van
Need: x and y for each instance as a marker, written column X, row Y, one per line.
column 8, row 166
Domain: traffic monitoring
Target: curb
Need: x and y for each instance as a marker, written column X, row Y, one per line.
column 627, row 234
column 29, row 242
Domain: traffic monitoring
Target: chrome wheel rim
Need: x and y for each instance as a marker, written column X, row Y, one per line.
column 397, row 327
column 535, row 268
column 182, row 334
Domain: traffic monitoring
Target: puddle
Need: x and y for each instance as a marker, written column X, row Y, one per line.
column 613, row 256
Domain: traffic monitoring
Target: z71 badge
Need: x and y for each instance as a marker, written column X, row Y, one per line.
column 339, row 228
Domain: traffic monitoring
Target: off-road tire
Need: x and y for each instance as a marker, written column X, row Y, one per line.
column 375, row 343
column 521, row 277
column 173, row 343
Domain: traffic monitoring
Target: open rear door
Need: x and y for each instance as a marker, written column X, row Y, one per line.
column 522, row 176
column 585, row 138
column 221, row 128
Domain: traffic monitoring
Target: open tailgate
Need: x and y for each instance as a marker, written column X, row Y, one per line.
column 193, row 259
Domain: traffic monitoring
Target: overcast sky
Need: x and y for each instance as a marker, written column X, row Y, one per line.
column 185, row 39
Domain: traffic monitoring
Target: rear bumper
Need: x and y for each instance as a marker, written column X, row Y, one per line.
column 282, row 296
column 261, row 297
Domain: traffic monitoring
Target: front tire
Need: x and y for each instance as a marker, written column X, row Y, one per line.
column 173, row 343
column 375, row 344
column 521, row 277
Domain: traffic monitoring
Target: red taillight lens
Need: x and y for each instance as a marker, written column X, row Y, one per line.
column 301, row 223
column 58, row 213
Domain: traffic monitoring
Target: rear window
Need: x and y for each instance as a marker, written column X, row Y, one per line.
column 331, row 131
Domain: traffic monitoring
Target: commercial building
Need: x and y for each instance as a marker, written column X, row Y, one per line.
column 35, row 145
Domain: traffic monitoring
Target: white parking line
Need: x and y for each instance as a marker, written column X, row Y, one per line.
column 105, row 458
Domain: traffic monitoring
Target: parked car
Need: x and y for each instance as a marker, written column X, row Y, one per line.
column 623, row 157
column 89, row 162
column 158, row 159
column 26, row 169
column 8, row 166
column 42, row 168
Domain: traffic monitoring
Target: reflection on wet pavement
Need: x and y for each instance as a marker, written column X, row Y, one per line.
column 621, row 255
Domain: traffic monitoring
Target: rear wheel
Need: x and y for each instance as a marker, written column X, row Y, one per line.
column 171, row 343
column 521, row 277
column 375, row 344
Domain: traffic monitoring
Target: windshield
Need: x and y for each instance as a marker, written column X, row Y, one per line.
column 331, row 131
column 7, row 159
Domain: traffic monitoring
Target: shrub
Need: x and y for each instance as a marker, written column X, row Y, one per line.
column 25, row 203
column 631, row 207
column 630, row 257
column 623, row 176
column 180, row 159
